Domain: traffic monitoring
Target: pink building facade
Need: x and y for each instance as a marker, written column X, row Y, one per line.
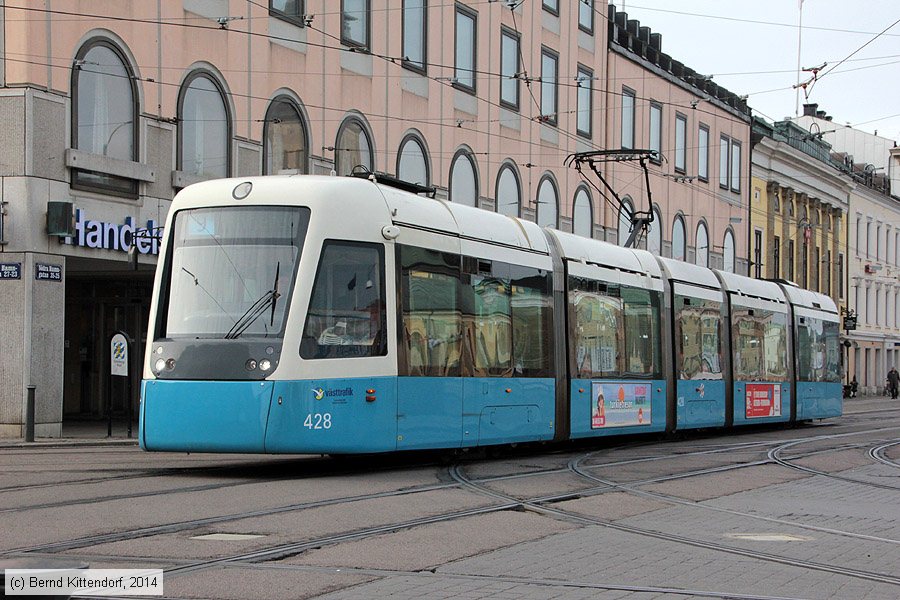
column 109, row 108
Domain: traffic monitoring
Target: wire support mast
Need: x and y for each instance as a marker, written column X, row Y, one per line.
column 640, row 219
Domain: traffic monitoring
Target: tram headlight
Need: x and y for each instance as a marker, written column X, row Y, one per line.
column 250, row 365
column 265, row 364
column 160, row 365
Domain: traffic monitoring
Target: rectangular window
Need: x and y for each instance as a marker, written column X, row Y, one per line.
column 346, row 317
column 616, row 331
column 586, row 16
column 776, row 258
column 680, row 143
column 431, row 342
column 869, row 239
column 473, row 317
column 840, row 275
column 509, row 68
column 859, row 235
column 531, row 302
column 551, row 6
column 757, row 254
column 549, row 73
column 703, row 153
column 289, row 10
column 790, row 264
column 656, row 131
column 414, row 34
column 804, row 265
column 815, row 270
column 818, row 350
column 355, row 23
column 760, row 344
column 464, row 73
column 735, row 166
column 698, row 338
column 724, row 161
column 584, row 119
column 627, row 118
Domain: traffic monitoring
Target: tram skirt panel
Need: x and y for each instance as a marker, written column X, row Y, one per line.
column 761, row 402
column 700, row 404
column 819, row 400
column 601, row 407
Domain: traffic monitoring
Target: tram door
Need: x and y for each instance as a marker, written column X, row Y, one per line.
column 430, row 386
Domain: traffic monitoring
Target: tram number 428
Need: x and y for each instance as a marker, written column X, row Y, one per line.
column 317, row 421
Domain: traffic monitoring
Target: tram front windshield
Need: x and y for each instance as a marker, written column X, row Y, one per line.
column 231, row 271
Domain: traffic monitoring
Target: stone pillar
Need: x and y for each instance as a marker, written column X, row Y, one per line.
column 31, row 343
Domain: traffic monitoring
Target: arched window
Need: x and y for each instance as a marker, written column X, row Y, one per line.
column 654, row 236
column 509, row 192
column 547, row 204
column 353, row 147
column 463, row 180
column 412, row 164
column 678, row 240
column 286, row 144
column 729, row 251
column 104, row 113
column 204, row 127
column 583, row 214
column 626, row 210
column 701, row 256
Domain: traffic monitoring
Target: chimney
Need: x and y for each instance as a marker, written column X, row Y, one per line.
column 644, row 34
column 809, row 110
column 656, row 41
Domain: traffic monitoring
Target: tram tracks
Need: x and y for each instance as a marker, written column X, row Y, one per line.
column 877, row 454
column 130, row 534
column 541, row 507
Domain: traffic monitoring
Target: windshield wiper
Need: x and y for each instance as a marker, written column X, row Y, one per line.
column 269, row 298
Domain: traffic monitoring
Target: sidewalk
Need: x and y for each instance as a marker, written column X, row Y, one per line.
column 80, row 433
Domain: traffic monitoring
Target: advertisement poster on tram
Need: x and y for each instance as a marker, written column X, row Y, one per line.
column 763, row 400
column 620, row 405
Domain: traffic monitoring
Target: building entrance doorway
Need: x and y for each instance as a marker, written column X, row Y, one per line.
column 96, row 308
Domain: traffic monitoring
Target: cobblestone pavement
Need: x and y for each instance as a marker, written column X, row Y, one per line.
column 703, row 516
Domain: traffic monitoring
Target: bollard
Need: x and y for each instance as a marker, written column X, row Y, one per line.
column 29, row 415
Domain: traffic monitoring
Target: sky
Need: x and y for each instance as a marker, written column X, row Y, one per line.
column 751, row 47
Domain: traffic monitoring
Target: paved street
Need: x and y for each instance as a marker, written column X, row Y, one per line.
column 812, row 512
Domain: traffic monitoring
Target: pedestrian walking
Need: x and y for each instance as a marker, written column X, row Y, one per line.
column 893, row 379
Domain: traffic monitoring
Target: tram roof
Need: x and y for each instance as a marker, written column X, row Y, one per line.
column 798, row 296
column 581, row 249
column 465, row 221
column 678, row 270
column 748, row 286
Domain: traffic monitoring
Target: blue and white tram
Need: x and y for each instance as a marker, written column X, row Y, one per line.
column 339, row 315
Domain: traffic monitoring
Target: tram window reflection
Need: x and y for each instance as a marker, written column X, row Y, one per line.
column 347, row 310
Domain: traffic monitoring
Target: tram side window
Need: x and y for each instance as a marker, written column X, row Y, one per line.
column 346, row 317
column 531, row 304
column 599, row 336
column 489, row 326
column 616, row 329
column 776, row 352
column 760, row 344
column 818, row 355
column 432, row 319
column 698, row 338
column 641, row 331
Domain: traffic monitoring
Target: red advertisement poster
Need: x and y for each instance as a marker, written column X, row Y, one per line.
column 763, row 400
